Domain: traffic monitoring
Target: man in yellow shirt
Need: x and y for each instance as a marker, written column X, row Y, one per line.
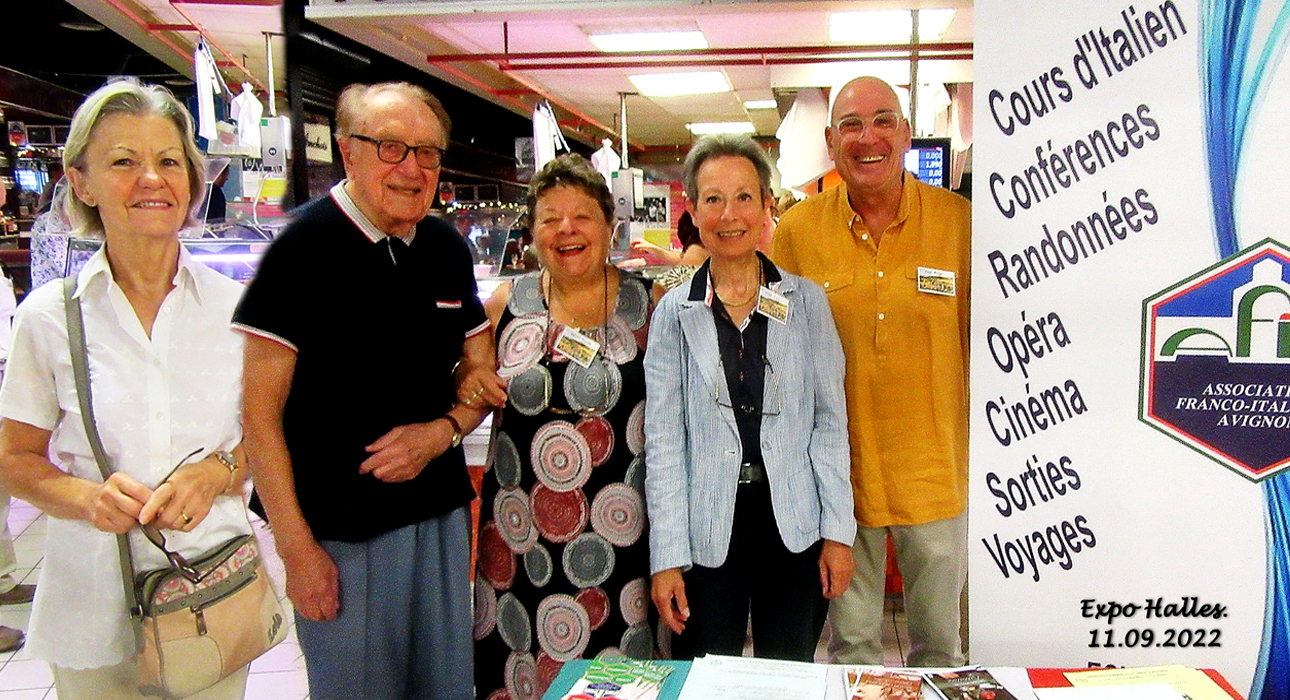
column 893, row 253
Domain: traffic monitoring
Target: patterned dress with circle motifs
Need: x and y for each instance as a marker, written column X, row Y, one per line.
column 563, row 568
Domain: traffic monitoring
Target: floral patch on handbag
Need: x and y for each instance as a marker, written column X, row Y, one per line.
column 179, row 587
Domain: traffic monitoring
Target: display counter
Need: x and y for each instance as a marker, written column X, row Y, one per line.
column 57, row 255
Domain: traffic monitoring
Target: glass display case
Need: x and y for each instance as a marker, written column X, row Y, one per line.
column 57, row 254
column 496, row 234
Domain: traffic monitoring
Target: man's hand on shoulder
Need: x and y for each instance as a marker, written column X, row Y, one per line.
column 402, row 453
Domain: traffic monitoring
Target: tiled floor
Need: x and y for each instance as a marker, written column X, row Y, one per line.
column 279, row 674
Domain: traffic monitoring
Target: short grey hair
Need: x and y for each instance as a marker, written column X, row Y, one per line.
column 129, row 96
column 353, row 99
column 717, row 145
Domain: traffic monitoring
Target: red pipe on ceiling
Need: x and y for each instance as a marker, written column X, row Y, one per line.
column 959, row 46
column 174, row 4
column 257, row 3
column 514, row 66
column 155, row 30
column 509, row 62
column 166, row 41
column 529, row 88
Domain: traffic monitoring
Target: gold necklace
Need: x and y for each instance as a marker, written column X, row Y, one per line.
column 552, row 301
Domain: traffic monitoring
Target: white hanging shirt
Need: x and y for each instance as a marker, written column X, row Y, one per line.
column 803, row 155
column 933, row 100
column 606, row 161
column 246, row 110
column 546, row 135
column 206, row 76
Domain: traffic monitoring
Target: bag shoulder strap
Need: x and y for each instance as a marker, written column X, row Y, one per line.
column 80, row 371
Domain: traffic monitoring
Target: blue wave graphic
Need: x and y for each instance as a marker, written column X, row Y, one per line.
column 1236, row 65
column 1234, row 75
column 1272, row 677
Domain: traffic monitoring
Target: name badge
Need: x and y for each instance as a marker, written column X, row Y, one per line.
column 772, row 305
column 577, row 346
column 935, row 281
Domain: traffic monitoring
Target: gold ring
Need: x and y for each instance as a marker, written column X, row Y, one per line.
column 188, row 519
column 478, row 392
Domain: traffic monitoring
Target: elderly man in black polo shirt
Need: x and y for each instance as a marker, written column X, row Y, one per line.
column 353, row 324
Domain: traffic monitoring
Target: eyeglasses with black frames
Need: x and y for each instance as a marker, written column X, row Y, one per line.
column 393, row 152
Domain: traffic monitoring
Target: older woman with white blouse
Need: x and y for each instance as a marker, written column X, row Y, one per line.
column 165, row 371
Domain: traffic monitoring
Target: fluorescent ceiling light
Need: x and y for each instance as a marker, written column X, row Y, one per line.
column 886, row 26
column 701, row 128
column 671, row 84
column 649, row 41
column 933, row 23
column 760, row 104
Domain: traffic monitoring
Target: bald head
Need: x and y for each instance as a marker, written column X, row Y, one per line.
column 867, row 138
column 867, row 89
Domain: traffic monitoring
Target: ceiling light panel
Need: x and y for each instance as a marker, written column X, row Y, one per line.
column 673, row 84
column 702, row 128
column 649, row 41
column 761, row 104
column 886, row 26
column 933, row 23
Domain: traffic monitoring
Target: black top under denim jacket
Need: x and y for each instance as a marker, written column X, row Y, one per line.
column 743, row 357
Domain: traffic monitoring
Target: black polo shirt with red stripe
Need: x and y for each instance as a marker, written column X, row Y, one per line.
column 377, row 326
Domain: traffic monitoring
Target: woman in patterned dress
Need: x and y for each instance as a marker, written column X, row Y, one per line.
column 563, row 559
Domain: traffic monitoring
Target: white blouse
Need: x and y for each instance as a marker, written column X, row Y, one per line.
column 155, row 400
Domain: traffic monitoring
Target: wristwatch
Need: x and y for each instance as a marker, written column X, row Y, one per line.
column 229, row 460
column 457, row 433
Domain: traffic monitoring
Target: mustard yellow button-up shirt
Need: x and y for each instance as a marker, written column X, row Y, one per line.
column 906, row 345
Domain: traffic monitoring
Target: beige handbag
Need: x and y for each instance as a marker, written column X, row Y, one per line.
column 198, row 632
column 197, row 623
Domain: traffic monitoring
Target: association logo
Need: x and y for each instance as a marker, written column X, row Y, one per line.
column 1216, row 361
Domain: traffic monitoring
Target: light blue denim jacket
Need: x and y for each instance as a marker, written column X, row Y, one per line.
column 692, row 448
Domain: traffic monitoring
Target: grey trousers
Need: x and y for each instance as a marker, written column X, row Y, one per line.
column 405, row 627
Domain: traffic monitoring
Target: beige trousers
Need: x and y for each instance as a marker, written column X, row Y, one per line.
column 8, row 558
column 117, row 683
column 933, row 563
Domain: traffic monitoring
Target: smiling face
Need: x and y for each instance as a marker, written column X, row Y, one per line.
column 570, row 232
column 868, row 162
column 134, row 171
column 395, row 196
column 731, row 208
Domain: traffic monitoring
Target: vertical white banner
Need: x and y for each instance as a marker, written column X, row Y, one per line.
column 1118, row 504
